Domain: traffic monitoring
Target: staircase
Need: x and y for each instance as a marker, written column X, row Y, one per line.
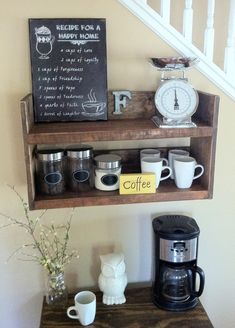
column 162, row 17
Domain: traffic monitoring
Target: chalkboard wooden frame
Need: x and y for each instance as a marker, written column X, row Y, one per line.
column 69, row 69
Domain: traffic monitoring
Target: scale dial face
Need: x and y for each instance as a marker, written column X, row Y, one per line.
column 176, row 99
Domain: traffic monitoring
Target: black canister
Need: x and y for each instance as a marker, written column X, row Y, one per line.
column 50, row 169
column 80, row 176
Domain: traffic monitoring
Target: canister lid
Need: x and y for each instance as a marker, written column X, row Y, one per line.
column 80, row 152
column 50, row 155
column 175, row 227
column 108, row 161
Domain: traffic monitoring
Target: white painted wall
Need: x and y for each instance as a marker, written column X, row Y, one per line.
column 123, row 227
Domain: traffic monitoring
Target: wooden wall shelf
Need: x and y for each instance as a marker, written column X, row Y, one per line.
column 134, row 124
column 130, row 129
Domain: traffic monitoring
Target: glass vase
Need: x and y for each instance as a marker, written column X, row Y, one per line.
column 56, row 290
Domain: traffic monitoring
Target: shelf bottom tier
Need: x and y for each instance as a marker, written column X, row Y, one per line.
column 97, row 197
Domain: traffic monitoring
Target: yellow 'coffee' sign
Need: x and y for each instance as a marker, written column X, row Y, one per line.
column 137, row 183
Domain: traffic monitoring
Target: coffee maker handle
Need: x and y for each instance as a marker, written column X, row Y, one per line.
column 202, row 280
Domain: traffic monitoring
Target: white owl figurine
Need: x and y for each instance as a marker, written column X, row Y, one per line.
column 113, row 280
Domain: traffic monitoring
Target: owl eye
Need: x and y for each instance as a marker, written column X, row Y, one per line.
column 121, row 268
column 107, row 271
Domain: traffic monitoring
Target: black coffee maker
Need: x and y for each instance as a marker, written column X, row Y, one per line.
column 176, row 247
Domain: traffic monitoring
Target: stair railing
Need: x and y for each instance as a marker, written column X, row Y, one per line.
column 156, row 14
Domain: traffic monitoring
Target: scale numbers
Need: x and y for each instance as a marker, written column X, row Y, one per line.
column 176, row 99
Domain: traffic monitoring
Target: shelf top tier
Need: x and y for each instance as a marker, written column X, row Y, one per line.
column 109, row 130
column 135, row 124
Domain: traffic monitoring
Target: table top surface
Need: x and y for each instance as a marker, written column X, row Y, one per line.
column 138, row 312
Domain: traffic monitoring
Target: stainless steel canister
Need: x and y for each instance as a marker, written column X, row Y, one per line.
column 50, row 171
column 80, row 175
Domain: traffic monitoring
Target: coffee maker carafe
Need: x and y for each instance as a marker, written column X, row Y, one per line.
column 176, row 248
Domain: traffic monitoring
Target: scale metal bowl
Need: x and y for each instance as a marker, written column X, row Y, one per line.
column 173, row 63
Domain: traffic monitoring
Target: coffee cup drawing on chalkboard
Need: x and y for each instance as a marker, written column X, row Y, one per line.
column 92, row 107
column 44, row 41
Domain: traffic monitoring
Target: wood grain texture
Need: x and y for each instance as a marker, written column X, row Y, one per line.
column 207, row 110
column 204, row 149
column 141, row 106
column 136, row 129
column 167, row 192
column 137, row 312
column 27, row 123
column 134, row 124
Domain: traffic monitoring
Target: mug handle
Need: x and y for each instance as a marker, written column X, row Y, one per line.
column 199, row 174
column 168, row 175
column 202, row 280
column 70, row 315
column 165, row 161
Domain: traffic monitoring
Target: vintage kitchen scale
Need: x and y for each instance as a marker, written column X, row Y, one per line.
column 175, row 99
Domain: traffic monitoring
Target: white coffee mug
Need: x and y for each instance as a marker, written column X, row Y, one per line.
column 85, row 307
column 155, row 165
column 175, row 153
column 184, row 168
column 152, row 152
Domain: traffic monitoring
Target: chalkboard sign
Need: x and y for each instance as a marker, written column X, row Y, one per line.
column 69, row 69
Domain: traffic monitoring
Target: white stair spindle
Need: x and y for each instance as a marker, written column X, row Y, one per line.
column 166, row 10
column 188, row 20
column 181, row 42
column 209, row 31
column 229, row 56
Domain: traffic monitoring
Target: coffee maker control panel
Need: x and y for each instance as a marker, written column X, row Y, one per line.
column 178, row 251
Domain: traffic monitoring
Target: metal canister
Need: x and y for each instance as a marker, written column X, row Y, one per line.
column 80, row 175
column 50, row 171
column 107, row 172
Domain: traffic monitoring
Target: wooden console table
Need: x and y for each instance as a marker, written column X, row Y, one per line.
column 137, row 312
